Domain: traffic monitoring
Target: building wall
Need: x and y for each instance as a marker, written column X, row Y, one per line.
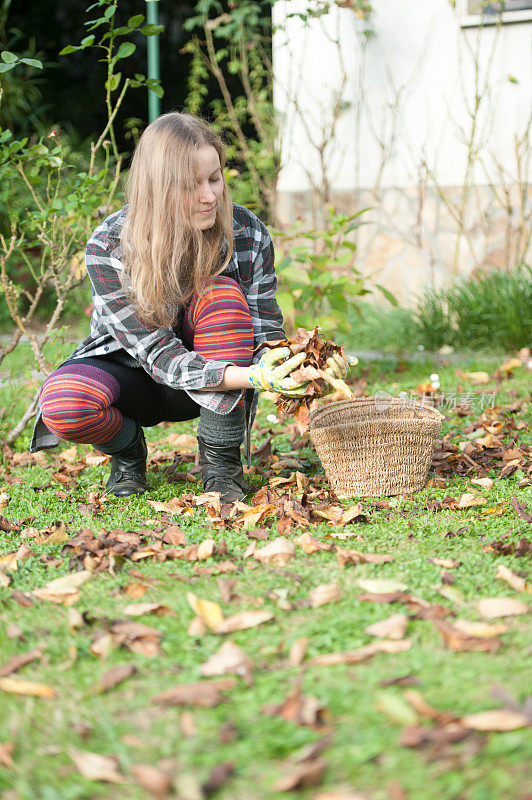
column 447, row 187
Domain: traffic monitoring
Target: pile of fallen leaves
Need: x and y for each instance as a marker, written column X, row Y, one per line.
column 312, row 369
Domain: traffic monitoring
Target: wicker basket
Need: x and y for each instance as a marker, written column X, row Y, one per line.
column 375, row 446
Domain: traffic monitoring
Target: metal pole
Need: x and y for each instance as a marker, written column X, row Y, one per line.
column 154, row 71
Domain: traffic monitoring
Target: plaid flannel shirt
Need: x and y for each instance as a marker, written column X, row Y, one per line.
column 117, row 328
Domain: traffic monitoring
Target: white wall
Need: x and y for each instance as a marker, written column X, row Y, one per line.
column 419, row 44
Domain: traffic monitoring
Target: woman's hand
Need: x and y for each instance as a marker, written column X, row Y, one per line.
column 270, row 373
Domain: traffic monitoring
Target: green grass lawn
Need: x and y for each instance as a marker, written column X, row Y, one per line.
column 364, row 719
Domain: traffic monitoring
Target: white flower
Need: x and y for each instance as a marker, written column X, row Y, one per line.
column 435, row 384
column 272, row 418
column 434, row 377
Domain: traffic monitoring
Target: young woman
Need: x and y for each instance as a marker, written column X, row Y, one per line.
column 183, row 285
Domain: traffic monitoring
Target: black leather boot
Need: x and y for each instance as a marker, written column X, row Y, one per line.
column 221, row 470
column 128, row 468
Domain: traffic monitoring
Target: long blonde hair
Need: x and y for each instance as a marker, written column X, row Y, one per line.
column 165, row 258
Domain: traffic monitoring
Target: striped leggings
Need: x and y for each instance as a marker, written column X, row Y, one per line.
column 94, row 400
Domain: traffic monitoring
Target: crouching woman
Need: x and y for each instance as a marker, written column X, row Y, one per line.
column 184, row 292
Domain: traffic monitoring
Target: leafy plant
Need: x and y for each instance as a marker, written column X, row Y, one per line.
column 493, row 309
column 50, row 200
column 318, row 282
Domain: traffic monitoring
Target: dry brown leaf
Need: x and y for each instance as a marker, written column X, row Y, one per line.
column 446, row 563
column 206, row 549
column 298, row 651
column 210, row 613
column 174, row 536
column 255, row 514
column 500, row 719
column 63, row 590
column 205, row 694
column 114, row 677
column 96, row 767
column 218, row 775
column 309, row 544
column 346, row 557
column 495, row 607
column 482, row 630
column 229, row 659
column 309, row 773
column 515, row 581
column 484, row 483
column 299, row 708
column 323, row 594
column 276, row 553
column 174, row 506
column 244, row 620
column 17, row 662
column 155, row 781
column 6, row 752
column 139, row 609
column 185, row 442
column 476, row 378
column 27, row 688
column 136, row 589
column 393, row 627
column 381, row 585
column 456, row 639
column 467, row 500
column 362, row 653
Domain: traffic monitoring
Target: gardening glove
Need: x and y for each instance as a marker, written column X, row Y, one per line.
column 338, row 367
column 335, row 372
column 270, row 373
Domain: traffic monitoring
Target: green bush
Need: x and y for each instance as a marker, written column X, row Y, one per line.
column 493, row 309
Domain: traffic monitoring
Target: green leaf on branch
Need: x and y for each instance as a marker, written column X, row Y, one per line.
column 152, row 30
column 9, row 58
column 32, row 62
column 109, row 12
column 114, row 82
column 87, row 41
column 70, row 48
column 135, row 21
column 125, row 50
column 388, row 295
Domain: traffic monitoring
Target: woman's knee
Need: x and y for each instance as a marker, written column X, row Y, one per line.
column 76, row 404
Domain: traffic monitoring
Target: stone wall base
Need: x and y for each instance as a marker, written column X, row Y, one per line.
column 417, row 237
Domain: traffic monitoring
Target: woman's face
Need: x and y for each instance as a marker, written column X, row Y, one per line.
column 203, row 200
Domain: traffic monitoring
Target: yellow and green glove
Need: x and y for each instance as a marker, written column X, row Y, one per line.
column 270, row 373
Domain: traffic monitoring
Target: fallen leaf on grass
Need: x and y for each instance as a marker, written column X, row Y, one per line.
column 467, row 500
column 229, row 659
column 481, row 629
column 277, row 553
column 154, row 780
column 446, row 563
column 298, row 651
column 362, row 653
column 323, row 594
column 138, row 609
column 63, row 590
column 500, row 719
column 136, row 637
column 244, row 620
column 515, row 581
column 476, row 378
column 309, row 544
column 309, row 773
column 299, row 708
column 174, row 536
column 218, row 775
column 136, row 589
column 210, row 613
column 346, row 557
column 381, row 585
column 114, row 677
column 393, row 627
column 484, row 483
column 457, row 639
column 96, row 767
column 495, row 607
column 27, row 688
column 17, row 662
column 6, row 751
column 205, row 694
column 255, row 514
